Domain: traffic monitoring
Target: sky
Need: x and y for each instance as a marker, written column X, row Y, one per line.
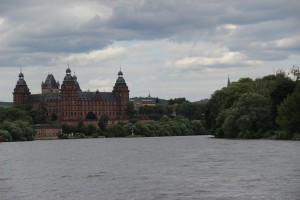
column 168, row 49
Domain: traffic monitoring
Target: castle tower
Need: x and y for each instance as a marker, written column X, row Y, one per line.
column 69, row 96
column 21, row 92
column 122, row 92
column 50, row 85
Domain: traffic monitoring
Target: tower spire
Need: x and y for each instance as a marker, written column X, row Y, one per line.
column 228, row 81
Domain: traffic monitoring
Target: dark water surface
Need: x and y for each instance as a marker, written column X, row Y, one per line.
column 180, row 168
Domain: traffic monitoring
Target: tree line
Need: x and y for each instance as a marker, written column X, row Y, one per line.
column 267, row 107
column 164, row 126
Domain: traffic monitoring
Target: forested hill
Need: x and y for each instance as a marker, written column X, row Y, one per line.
column 5, row 103
column 265, row 107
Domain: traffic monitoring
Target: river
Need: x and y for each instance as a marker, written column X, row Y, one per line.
column 192, row 167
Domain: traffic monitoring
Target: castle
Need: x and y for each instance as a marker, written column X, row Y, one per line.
column 69, row 104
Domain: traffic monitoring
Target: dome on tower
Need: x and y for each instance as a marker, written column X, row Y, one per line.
column 68, row 76
column 120, row 80
column 68, row 71
column 120, row 73
column 21, row 80
column 120, row 77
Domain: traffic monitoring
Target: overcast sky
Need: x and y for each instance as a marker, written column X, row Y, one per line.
column 166, row 48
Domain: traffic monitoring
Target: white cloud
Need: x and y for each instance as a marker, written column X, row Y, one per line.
column 108, row 53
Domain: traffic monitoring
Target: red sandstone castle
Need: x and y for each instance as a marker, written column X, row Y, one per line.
column 70, row 104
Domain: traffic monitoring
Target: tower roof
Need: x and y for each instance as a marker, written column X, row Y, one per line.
column 68, row 71
column 120, row 77
column 120, row 73
column 68, row 76
column 50, row 82
column 21, row 80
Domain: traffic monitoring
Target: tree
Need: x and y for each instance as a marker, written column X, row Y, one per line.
column 249, row 117
column 130, row 110
column 224, row 99
column 91, row 116
column 289, row 114
column 115, row 130
column 13, row 114
column 282, row 90
column 103, row 121
column 5, row 136
column 39, row 114
column 53, row 117
column 91, row 129
column 81, row 128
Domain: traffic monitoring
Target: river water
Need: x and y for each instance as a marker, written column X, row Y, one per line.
column 194, row 167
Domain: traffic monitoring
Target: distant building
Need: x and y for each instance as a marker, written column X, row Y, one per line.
column 47, row 131
column 70, row 104
column 143, row 101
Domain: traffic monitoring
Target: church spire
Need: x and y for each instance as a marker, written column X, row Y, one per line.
column 228, row 81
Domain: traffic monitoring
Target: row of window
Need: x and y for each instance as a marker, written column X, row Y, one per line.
column 86, row 103
column 56, row 110
column 85, row 113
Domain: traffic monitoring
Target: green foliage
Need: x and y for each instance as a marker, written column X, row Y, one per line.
column 191, row 111
column 248, row 109
column 79, row 129
column 19, row 130
column 185, row 108
column 66, row 129
column 63, row 136
column 5, row 136
column 53, row 117
column 16, row 124
column 13, row 114
column 91, row 129
column 284, row 135
column 249, row 117
column 115, row 130
column 282, row 90
column 79, row 135
column 225, row 98
column 91, row 116
column 130, row 110
column 103, row 122
column 95, row 135
column 289, row 114
column 177, row 101
column 178, row 126
column 39, row 115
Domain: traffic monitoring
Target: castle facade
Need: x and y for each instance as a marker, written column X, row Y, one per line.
column 69, row 104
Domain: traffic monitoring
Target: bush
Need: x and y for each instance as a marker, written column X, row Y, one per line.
column 63, row 136
column 283, row 135
column 5, row 136
column 95, row 135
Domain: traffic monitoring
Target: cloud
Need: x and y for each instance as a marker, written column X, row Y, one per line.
column 108, row 53
column 160, row 46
